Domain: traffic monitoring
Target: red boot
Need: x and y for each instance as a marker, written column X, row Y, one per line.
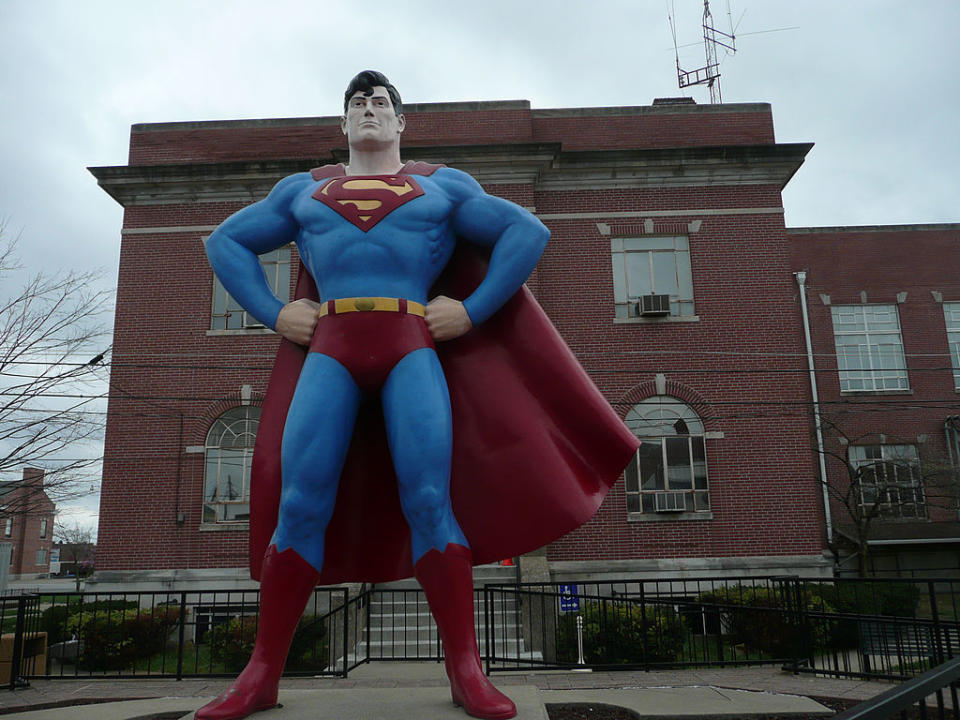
column 286, row 583
column 447, row 580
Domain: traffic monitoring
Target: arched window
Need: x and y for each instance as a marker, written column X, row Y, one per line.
column 229, row 450
column 669, row 472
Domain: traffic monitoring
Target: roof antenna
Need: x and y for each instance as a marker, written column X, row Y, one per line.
column 708, row 75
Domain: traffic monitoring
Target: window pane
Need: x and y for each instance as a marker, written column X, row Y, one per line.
column 631, row 477
column 648, row 243
column 684, row 276
column 651, row 464
column 664, row 273
column 699, row 463
column 638, row 274
column 678, row 464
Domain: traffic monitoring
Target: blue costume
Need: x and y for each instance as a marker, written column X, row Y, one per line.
column 373, row 237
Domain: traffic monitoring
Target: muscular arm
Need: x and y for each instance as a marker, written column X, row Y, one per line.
column 515, row 235
column 234, row 246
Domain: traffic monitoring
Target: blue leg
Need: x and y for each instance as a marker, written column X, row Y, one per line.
column 315, row 442
column 416, row 409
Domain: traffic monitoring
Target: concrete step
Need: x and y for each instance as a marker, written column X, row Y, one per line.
column 505, row 649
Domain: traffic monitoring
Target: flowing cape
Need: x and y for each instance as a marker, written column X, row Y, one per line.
column 536, row 446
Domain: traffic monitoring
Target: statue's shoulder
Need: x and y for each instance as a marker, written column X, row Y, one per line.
column 328, row 171
column 417, row 167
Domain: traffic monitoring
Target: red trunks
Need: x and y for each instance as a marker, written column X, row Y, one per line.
column 370, row 344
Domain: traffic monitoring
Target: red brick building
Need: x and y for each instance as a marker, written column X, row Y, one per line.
column 669, row 273
column 884, row 310
column 26, row 523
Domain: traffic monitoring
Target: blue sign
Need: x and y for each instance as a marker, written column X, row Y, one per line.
column 569, row 599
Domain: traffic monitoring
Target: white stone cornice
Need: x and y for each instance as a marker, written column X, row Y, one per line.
column 545, row 166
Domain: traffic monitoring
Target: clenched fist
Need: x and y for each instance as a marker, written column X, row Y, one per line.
column 446, row 318
column 297, row 320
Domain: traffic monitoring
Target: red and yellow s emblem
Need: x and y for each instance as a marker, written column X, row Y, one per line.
column 365, row 201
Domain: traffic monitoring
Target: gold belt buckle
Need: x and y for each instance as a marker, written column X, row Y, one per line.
column 364, row 304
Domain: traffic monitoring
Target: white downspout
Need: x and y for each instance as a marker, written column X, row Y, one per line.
column 802, row 283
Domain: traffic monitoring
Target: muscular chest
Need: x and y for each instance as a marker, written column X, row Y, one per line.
column 356, row 206
column 383, row 225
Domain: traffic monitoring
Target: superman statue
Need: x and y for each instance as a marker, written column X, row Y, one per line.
column 368, row 465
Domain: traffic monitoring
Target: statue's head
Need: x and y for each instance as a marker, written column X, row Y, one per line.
column 365, row 82
column 372, row 113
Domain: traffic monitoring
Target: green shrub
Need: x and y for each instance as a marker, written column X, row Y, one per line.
column 231, row 643
column 53, row 621
column 766, row 619
column 621, row 632
column 898, row 599
column 114, row 640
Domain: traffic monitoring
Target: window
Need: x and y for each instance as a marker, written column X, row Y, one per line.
column 651, row 266
column 889, row 479
column 951, row 313
column 43, row 527
column 228, row 315
column 8, row 527
column 41, row 556
column 669, row 471
column 869, row 347
column 229, row 450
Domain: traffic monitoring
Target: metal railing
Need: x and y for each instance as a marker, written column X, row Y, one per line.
column 918, row 691
column 891, row 629
column 164, row 634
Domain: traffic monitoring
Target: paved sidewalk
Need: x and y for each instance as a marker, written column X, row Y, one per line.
column 392, row 686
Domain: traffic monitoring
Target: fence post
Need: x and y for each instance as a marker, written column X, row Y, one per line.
column 180, row 634
column 940, row 656
column 487, row 606
column 644, row 626
column 346, row 630
column 17, row 658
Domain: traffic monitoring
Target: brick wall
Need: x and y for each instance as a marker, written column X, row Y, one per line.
column 849, row 266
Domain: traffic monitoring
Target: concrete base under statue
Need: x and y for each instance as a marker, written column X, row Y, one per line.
column 429, row 703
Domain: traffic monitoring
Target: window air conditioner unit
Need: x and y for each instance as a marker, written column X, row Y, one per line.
column 670, row 502
column 654, row 305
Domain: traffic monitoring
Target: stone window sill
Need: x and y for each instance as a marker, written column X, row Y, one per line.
column 243, row 526
column 240, row 331
column 657, row 320
column 874, row 393
column 669, row 517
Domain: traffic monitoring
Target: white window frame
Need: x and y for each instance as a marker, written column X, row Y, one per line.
column 869, row 344
column 228, row 456
column 43, row 527
column 226, row 313
column 659, row 422
column 41, row 556
column 639, row 267
column 951, row 317
column 898, row 485
column 8, row 527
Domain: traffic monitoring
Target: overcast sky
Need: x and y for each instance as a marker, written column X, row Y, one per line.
column 873, row 84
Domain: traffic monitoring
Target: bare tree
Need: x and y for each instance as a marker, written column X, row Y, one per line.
column 53, row 338
column 875, row 488
column 76, row 549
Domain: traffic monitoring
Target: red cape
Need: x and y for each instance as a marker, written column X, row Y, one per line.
column 536, row 446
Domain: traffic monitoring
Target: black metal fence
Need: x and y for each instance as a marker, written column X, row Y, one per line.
column 162, row 634
column 890, row 629
column 893, row 629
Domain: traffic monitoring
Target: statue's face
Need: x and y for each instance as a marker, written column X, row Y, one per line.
column 371, row 121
